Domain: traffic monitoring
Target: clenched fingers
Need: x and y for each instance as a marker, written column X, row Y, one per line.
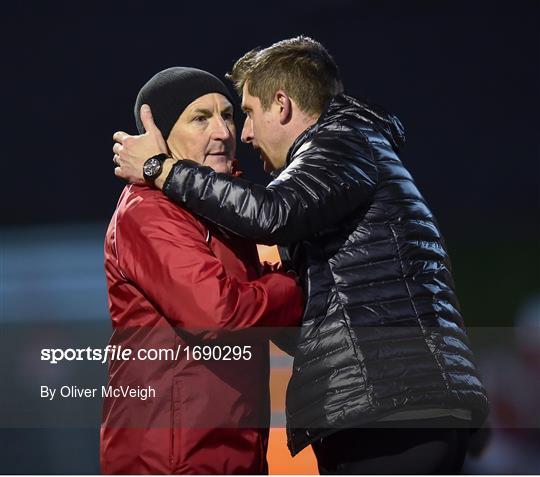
column 117, row 148
column 120, row 136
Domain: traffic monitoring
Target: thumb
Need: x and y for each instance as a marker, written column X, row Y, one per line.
column 147, row 119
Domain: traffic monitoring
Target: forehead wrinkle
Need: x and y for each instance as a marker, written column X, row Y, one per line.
column 202, row 111
column 210, row 112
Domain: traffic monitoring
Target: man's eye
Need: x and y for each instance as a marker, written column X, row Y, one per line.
column 199, row 119
column 227, row 116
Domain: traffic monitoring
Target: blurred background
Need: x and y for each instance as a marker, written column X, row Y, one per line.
column 462, row 76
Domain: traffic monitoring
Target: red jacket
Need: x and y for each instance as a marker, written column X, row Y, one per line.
column 174, row 283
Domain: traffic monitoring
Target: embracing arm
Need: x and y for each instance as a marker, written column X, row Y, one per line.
column 329, row 179
column 163, row 251
column 332, row 175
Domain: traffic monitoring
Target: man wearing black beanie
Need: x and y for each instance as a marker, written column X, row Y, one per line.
column 170, row 91
column 176, row 282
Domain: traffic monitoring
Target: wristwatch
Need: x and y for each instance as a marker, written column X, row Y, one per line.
column 152, row 167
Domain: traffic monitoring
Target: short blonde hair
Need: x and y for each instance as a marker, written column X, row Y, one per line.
column 300, row 66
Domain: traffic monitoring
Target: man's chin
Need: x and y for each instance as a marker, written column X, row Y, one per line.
column 220, row 163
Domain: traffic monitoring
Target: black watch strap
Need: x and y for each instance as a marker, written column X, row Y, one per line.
column 152, row 167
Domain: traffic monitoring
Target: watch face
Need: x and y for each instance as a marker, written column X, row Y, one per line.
column 152, row 167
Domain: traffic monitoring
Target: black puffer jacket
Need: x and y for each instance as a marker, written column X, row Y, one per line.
column 382, row 331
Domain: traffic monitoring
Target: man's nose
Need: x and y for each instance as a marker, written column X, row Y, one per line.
column 221, row 130
column 247, row 132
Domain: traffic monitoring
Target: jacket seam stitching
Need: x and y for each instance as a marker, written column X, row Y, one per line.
column 322, row 376
column 377, row 302
column 424, row 316
column 362, row 368
column 363, row 265
column 374, row 283
column 321, row 335
column 115, row 247
column 419, row 321
column 327, row 414
column 405, row 338
column 409, row 356
column 393, row 300
column 444, row 390
column 354, row 245
column 321, row 356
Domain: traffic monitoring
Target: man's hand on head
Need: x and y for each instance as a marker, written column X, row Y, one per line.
column 131, row 152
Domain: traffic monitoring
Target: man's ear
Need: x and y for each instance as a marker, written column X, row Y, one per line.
column 283, row 101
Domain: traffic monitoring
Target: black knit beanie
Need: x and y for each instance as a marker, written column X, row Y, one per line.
column 170, row 91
